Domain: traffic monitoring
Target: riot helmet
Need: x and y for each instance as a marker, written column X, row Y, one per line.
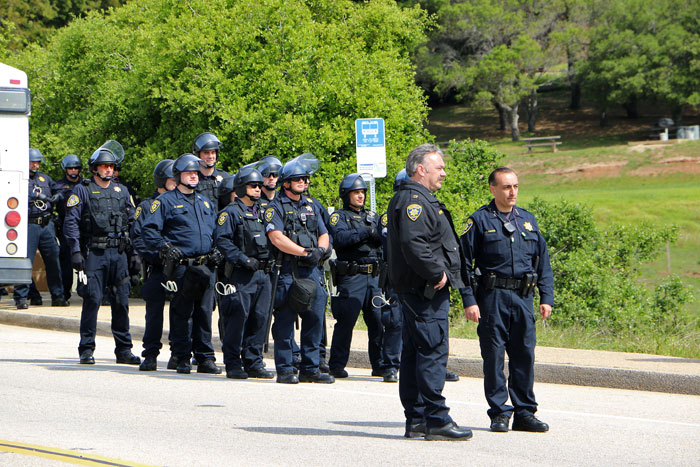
column 35, row 155
column 225, row 190
column 246, row 175
column 99, row 157
column 269, row 165
column 350, row 183
column 71, row 161
column 162, row 172
column 292, row 169
column 401, row 177
column 310, row 162
column 209, row 142
column 115, row 148
column 186, row 163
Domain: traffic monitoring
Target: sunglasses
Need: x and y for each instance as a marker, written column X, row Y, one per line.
column 299, row 179
column 106, row 166
column 255, row 185
column 272, row 174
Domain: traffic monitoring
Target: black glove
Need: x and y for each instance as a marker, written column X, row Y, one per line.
column 326, row 254
column 373, row 233
column 313, row 257
column 134, row 265
column 55, row 198
column 215, row 257
column 252, row 264
column 42, row 197
column 168, row 251
column 77, row 261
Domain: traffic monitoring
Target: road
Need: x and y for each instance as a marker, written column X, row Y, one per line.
column 162, row 418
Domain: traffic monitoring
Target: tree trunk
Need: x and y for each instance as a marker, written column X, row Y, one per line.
column 514, row 117
column 632, row 108
column 575, row 103
column 677, row 115
column 532, row 111
column 501, row 115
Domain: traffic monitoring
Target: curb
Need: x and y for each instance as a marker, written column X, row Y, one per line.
column 616, row 378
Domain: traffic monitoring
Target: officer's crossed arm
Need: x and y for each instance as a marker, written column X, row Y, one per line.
column 286, row 245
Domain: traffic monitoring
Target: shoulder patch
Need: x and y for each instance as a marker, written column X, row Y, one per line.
column 470, row 224
column 73, row 201
column 206, row 203
column 413, row 211
column 138, row 212
column 384, row 220
column 335, row 217
column 269, row 214
column 154, row 206
column 222, row 218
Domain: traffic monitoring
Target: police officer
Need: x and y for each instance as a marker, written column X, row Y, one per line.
column 357, row 244
column 96, row 229
column 180, row 227
column 294, row 226
column 71, row 166
column 424, row 262
column 240, row 236
column 504, row 243
column 269, row 167
column 206, row 146
column 43, row 195
column 152, row 291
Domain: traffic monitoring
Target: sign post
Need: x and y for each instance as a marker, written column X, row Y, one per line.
column 371, row 152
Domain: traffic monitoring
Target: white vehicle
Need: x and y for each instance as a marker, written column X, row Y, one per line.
column 15, row 108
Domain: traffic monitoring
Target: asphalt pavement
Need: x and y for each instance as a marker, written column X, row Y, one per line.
column 552, row 365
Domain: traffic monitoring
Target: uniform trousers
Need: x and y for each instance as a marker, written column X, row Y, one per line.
column 43, row 238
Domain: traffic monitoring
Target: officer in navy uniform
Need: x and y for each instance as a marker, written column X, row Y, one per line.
column 269, row 167
column 152, row 291
column 180, row 227
column 424, row 262
column 206, row 146
column 504, row 243
column 71, row 166
column 240, row 236
column 357, row 244
column 41, row 234
column 294, row 226
column 97, row 231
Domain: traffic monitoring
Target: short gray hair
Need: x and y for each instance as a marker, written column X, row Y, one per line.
column 417, row 156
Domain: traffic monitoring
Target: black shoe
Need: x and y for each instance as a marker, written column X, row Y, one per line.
column 194, row 361
column 339, row 373
column 184, row 367
column 287, row 378
column 529, row 423
column 172, row 363
column 377, row 372
column 208, row 366
column 236, row 373
column 261, row 373
column 59, row 302
column 323, row 367
column 500, row 423
column 127, row 358
column 449, row 432
column 149, row 363
column 21, row 304
column 86, row 357
column 36, row 301
column 390, row 376
column 105, row 301
column 316, row 377
column 451, row 376
column 415, row 430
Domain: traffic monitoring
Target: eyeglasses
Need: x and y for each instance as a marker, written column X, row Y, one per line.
column 299, row 179
column 272, row 174
column 106, row 166
column 255, row 185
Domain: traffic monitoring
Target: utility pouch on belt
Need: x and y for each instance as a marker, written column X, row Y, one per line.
column 489, row 281
column 195, row 281
column 301, row 293
column 334, row 272
column 383, row 275
column 528, row 284
column 169, row 266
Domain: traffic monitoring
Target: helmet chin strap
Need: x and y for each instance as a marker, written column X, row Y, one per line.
column 270, row 187
column 253, row 198
column 105, row 179
column 191, row 187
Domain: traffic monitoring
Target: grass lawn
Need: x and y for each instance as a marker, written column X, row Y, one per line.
column 622, row 183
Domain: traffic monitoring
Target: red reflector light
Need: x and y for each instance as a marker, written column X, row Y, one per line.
column 13, row 218
column 15, row 81
column 12, row 234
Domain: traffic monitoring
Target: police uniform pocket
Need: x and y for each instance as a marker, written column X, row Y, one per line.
column 429, row 334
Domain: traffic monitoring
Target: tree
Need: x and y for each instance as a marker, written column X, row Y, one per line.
column 266, row 76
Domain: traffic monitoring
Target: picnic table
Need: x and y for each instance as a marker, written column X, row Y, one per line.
column 542, row 141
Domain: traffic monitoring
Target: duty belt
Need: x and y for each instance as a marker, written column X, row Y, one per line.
column 195, row 260
column 43, row 220
column 350, row 268
column 102, row 243
column 510, row 283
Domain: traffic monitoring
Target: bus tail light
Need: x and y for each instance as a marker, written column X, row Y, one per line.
column 12, row 203
column 13, row 218
column 12, row 234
